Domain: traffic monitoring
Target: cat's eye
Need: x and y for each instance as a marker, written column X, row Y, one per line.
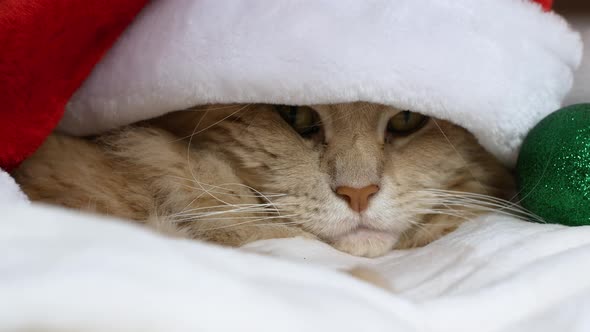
column 304, row 120
column 405, row 123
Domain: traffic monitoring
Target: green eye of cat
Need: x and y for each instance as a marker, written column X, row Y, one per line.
column 406, row 122
column 304, row 120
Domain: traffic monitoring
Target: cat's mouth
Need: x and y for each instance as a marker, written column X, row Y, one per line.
column 364, row 233
column 365, row 241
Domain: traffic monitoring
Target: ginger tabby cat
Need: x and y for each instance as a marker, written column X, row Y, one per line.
column 365, row 178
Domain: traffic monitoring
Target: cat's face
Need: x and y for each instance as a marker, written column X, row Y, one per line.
column 363, row 177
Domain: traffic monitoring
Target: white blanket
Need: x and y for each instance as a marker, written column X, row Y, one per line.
column 61, row 271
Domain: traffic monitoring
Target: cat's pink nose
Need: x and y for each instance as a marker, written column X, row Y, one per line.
column 358, row 198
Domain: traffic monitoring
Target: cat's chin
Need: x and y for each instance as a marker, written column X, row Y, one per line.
column 365, row 242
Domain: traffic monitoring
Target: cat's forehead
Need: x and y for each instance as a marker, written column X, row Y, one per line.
column 354, row 107
column 358, row 112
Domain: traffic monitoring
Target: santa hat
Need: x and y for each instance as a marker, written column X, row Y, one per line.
column 495, row 67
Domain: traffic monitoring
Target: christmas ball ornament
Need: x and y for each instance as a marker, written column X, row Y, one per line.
column 553, row 168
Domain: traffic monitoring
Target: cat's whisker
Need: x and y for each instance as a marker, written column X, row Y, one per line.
column 483, row 206
column 457, row 213
column 287, row 223
column 407, row 236
column 493, row 207
column 473, row 205
column 257, row 194
column 261, row 196
column 188, row 151
column 480, row 201
column 231, row 225
column 209, row 219
column 222, row 187
column 241, row 108
column 465, row 163
column 424, row 224
column 464, row 194
column 203, row 110
column 220, row 107
column 420, row 226
column 223, row 213
column 239, row 206
column 479, row 198
column 217, row 213
column 228, row 191
column 252, row 210
column 223, row 119
column 215, row 207
column 265, row 197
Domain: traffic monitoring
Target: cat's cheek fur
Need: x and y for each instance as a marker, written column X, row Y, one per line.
column 366, row 243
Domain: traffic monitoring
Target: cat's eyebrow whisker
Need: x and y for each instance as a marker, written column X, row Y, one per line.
column 207, row 109
column 466, row 164
column 344, row 115
column 203, row 110
column 220, row 107
column 188, row 151
column 241, row 108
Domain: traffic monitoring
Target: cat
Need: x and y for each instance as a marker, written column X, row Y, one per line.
column 363, row 177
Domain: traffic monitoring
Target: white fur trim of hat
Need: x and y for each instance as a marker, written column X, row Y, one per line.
column 495, row 67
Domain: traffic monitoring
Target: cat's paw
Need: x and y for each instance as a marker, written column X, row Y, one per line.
column 365, row 243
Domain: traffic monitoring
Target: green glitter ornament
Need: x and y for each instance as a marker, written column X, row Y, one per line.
column 553, row 168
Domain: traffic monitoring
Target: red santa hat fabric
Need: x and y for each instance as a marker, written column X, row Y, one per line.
column 47, row 49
